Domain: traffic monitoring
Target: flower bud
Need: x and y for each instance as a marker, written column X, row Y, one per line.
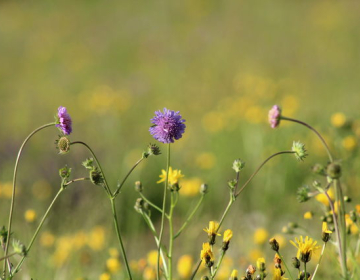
column 96, row 176
column 238, row 165
column 325, row 234
column 228, row 234
column 234, row 275
column 138, row 186
column 19, row 248
column 302, row 194
column 302, row 275
column 300, row 151
column 65, row 172
column 88, row 163
column 139, row 205
column 63, row 144
column 274, row 244
column 296, row 262
column 318, row 169
column 250, row 270
column 333, row 170
column 204, row 188
column 3, row 235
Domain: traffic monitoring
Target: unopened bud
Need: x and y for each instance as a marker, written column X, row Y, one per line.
column 274, row 244
column 65, row 172
column 318, row 169
column 96, row 176
column 296, row 262
column 333, row 170
column 204, row 188
column 138, row 186
column 63, row 144
column 238, row 165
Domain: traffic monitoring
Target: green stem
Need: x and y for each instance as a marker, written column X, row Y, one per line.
column 315, row 131
column 305, row 271
column 76, row 180
column 117, row 229
column 190, row 216
column 97, row 162
column 283, row 261
column 231, row 201
column 8, row 256
column 318, row 264
column 152, row 228
column 127, row 175
column 258, row 169
column 218, row 264
column 13, row 188
column 196, row 270
column 163, row 213
column 171, row 232
column 37, row 231
column 151, row 204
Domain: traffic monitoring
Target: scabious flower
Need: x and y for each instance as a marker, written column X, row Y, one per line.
column 305, row 248
column 168, row 126
column 64, row 121
column 275, row 116
column 174, row 176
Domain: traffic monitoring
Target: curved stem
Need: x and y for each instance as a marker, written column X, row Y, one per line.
column 117, row 229
column 315, row 131
column 8, row 256
column 231, row 201
column 97, row 162
column 76, row 180
column 13, row 188
column 163, row 209
column 283, row 261
column 190, row 216
column 151, row 204
column 318, row 264
column 127, row 175
column 37, row 231
column 258, row 169
column 196, row 270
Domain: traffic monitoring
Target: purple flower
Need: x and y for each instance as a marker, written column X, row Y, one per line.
column 168, row 126
column 64, row 121
column 274, row 116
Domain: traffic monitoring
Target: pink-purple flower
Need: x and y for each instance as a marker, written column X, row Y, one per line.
column 274, row 116
column 64, row 121
column 168, row 126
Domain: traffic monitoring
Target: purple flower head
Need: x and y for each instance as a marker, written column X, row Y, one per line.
column 274, row 116
column 168, row 126
column 64, row 121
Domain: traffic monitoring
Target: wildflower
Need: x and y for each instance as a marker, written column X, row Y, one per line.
column 319, row 169
column 234, row 275
column 322, row 198
column 212, row 231
column 205, row 160
column 96, row 177
column 325, row 235
column 250, row 270
column 333, row 170
column 97, row 238
column 308, row 215
column 275, row 116
column 153, row 149
column 305, row 248
column 190, row 187
column 260, row 236
column 277, row 260
column 65, row 172
column 338, row 120
column 207, row 255
column 113, row 265
column 63, row 144
column 278, row 274
column 296, row 262
column 238, row 165
column 105, row 276
column 19, row 248
column 184, row 266
column 30, row 215
column 152, row 257
column 149, row 273
column 47, row 239
column 274, row 244
column 204, row 188
column 168, row 126
column 299, row 149
column 228, row 234
column 260, row 264
column 349, row 143
column 138, row 186
column 174, row 176
column 113, row 252
column 64, row 121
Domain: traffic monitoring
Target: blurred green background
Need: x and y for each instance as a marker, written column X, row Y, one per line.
column 222, row 65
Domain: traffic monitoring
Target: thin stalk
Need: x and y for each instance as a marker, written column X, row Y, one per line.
column 152, row 228
column 218, row 264
column 76, row 180
column 318, row 264
column 258, row 169
column 196, row 270
column 97, row 162
column 163, row 209
column 190, row 216
column 127, row 175
column 13, row 188
column 171, row 233
column 37, row 231
column 117, row 229
column 152, row 204
column 305, row 271
column 231, row 201
column 283, row 261
column 315, row 131
column 8, row 256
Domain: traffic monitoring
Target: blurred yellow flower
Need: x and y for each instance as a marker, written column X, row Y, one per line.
column 349, row 143
column 228, row 234
column 113, row 265
column 255, row 114
column 63, row 249
column 152, row 258
column 79, row 239
column 234, row 274
column 338, row 119
column 357, row 208
column 261, row 236
column 281, row 240
column 105, row 276
column 149, row 273
column 47, row 239
column 96, row 238
column 290, row 104
column 323, row 199
column 205, row 160
column 190, row 187
column 308, row 215
column 213, row 122
column 6, row 190
column 278, row 274
column 184, row 266
column 114, row 253
column 30, row 215
column 255, row 254
column 174, row 176
column 41, row 189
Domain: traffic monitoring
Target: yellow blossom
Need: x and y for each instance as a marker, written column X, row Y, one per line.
column 105, row 276
column 174, row 176
column 234, row 274
column 308, row 215
column 96, row 238
column 30, row 215
column 260, row 264
column 113, row 265
column 190, row 187
column 205, row 160
column 323, row 199
column 212, row 229
column 184, row 266
column 305, row 248
column 261, row 236
column 325, row 233
column 152, row 257
column 338, row 119
column 349, row 143
column 149, row 273
column 357, row 207
column 206, row 254
column 278, row 274
column 228, row 234
column 114, row 253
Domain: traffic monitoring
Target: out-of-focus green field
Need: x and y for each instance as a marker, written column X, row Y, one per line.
column 222, row 65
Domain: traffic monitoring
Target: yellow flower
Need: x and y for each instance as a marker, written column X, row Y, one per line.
column 105, row 276
column 357, row 207
column 207, row 255
column 323, row 199
column 260, row 236
column 228, row 234
column 278, row 274
column 349, row 143
column 96, row 239
column 325, row 236
column 338, row 119
column 212, row 231
column 260, row 264
column 47, row 239
column 190, row 187
column 113, row 265
column 30, row 215
column 184, row 266
column 308, row 215
column 174, row 176
column 234, row 274
column 149, row 273
column 152, row 257
column 205, row 160
column 305, row 248
column 113, row 252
